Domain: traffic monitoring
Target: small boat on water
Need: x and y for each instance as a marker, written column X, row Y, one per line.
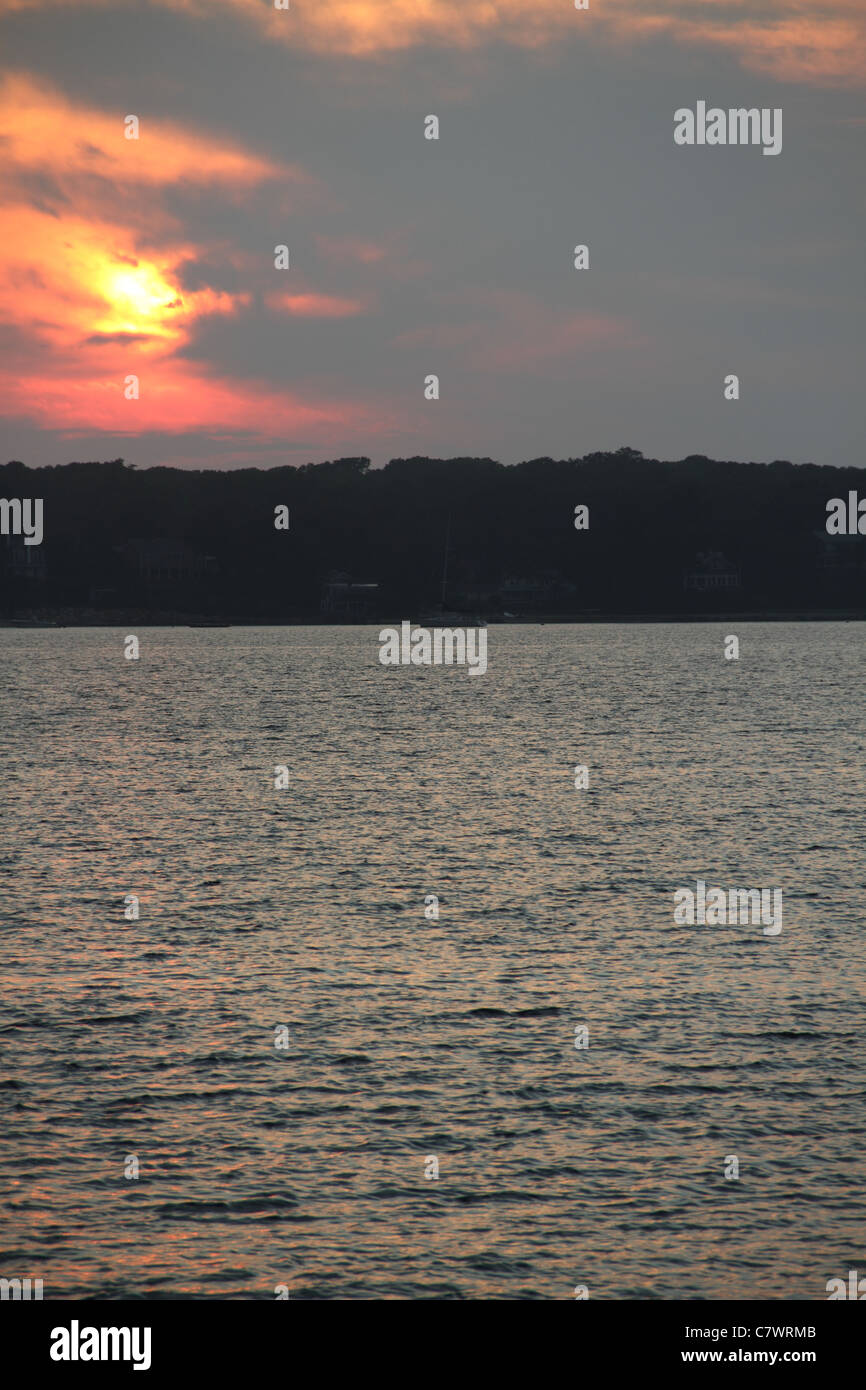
column 443, row 617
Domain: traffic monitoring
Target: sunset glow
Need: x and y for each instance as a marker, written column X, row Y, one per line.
column 792, row 39
column 155, row 256
column 141, row 301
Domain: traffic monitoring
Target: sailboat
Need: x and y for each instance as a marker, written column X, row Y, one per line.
column 443, row 616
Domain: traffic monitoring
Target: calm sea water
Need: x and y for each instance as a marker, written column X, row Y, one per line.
column 412, row 1039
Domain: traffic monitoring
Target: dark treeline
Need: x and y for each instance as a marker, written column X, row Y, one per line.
column 697, row 536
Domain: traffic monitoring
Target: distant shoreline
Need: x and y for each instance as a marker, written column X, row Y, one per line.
column 127, row 619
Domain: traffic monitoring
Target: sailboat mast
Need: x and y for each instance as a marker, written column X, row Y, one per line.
column 445, row 562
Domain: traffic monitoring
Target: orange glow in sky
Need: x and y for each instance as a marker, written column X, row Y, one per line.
column 92, row 297
column 797, row 40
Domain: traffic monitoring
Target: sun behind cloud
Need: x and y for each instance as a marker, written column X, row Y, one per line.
column 97, row 295
column 141, row 300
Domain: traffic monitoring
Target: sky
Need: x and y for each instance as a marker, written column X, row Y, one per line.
column 154, row 257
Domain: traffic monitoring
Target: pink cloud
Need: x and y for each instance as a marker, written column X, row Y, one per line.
column 515, row 332
column 347, row 249
column 793, row 40
column 315, row 306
